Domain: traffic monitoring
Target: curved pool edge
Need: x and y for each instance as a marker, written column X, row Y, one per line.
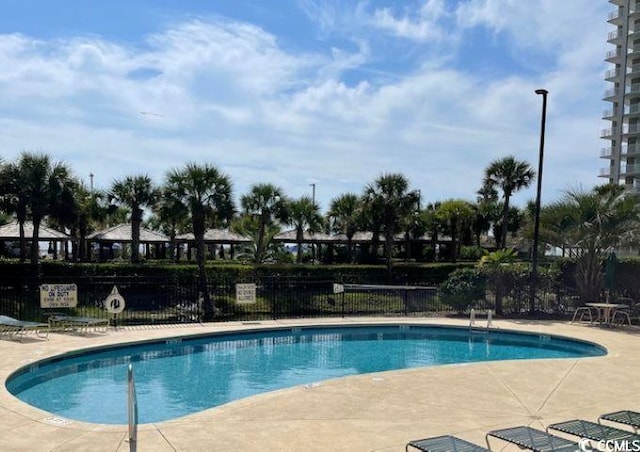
column 22, row 354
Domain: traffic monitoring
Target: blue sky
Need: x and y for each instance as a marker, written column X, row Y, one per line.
column 300, row 92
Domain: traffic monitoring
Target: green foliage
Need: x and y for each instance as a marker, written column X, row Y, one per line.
column 463, row 288
column 471, row 253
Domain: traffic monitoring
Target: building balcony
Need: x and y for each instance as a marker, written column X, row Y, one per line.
column 608, row 134
column 631, row 129
column 605, row 172
column 630, row 170
column 608, row 114
column 633, row 52
column 610, row 94
column 606, row 153
column 631, row 150
column 612, row 74
column 633, row 90
column 613, row 55
column 634, row 69
column 632, row 110
column 614, row 17
column 614, row 36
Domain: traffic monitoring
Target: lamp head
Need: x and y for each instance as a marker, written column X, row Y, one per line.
column 542, row 91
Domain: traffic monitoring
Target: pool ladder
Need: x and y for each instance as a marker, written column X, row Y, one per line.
column 132, row 410
column 472, row 319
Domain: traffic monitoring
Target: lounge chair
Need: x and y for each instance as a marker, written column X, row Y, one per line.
column 14, row 327
column 65, row 322
column 533, row 439
column 626, row 417
column 593, row 431
column 446, row 443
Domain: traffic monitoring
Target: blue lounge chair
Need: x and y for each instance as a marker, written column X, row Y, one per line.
column 18, row 328
column 533, row 439
column 445, row 443
column 593, row 431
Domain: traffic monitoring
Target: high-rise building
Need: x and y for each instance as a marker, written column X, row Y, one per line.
column 623, row 153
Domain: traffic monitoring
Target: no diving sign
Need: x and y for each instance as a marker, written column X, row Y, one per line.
column 114, row 302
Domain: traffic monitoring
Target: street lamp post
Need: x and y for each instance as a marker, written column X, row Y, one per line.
column 536, row 227
column 313, row 192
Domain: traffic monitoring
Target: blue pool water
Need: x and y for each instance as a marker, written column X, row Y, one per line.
column 177, row 377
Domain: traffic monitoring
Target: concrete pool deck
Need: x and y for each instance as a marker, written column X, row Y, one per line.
column 372, row 412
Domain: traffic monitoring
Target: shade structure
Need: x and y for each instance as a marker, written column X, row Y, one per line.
column 216, row 236
column 122, row 233
column 11, row 231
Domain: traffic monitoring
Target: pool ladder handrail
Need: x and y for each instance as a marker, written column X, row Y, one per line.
column 132, row 410
column 472, row 318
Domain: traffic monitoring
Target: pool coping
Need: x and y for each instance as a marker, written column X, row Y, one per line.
column 378, row 412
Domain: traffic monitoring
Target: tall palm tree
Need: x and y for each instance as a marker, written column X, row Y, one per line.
column 304, row 216
column 456, row 214
column 592, row 223
column 509, row 175
column 136, row 193
column 207, row 194
column 267, row 204
column 389, row 198
column 343, row 217
column 36, row 187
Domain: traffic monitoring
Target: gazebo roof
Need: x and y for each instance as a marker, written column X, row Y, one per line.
column 122, row 234
column 11, row 231
column 216, row 236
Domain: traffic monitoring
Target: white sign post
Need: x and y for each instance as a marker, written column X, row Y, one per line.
column 58, row 295
column 246, row 293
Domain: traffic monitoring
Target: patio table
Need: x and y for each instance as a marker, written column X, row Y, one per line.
column 605, row 310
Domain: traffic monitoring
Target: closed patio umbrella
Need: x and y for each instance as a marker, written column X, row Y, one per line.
column 610, row 273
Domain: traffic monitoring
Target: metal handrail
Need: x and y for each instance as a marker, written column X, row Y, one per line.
column 132, row 407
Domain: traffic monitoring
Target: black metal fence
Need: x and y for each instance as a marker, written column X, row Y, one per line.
column 162, row 301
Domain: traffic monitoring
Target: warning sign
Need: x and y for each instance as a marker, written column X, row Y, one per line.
column 58, row 295
column 246, row 293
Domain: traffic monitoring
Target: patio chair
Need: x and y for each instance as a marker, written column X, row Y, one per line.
column 64, row 322
column 445, row 443
column 625, row 315
column 14, row 327
column 580, row 312
column 593, row 431
column 625, row 417
column 532, row 439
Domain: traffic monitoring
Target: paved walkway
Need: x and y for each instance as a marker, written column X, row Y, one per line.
column 378, row 412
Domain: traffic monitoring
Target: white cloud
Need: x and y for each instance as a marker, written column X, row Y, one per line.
column 227, row 93
column 421, row 25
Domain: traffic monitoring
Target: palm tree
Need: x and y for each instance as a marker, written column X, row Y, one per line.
column 592, row 223
column 136, row 193
column 36, row 187
column 343, row 217
column 206, row 193
column 304, row 216
column 171, row 217
column 495, row 266
column 387, row 197
column 91, row 212
column 509, row 175
column 267, row 204
column 456, row 214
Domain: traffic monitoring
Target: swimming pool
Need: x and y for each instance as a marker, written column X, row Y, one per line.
column 181, row 376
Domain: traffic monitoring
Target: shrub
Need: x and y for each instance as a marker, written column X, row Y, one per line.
column 463, row 289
